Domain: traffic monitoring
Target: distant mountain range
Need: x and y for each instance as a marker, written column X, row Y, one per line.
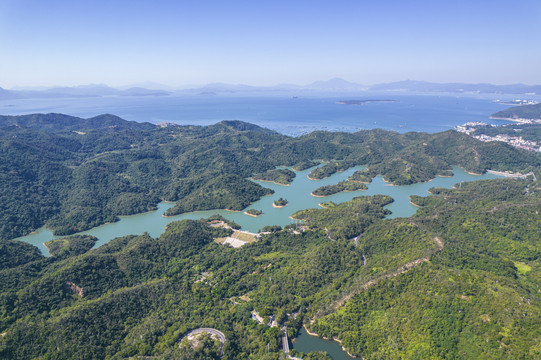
column 79, row 91
column 424, row 86
column 336, row 85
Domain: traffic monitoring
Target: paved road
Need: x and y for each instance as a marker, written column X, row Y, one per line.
column 211, row 331
column 285, row 342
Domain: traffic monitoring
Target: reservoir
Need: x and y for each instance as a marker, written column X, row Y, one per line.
column 297, row 195
column 307, row 343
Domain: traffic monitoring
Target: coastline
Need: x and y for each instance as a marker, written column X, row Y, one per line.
column 517, row 120
column 278, row 206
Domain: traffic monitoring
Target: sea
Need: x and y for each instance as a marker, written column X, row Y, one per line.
column 290, row 115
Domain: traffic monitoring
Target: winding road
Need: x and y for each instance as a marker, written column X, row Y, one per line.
column 211, row 331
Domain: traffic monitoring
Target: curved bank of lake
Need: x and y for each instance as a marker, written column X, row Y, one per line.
column 297, row 195
column 308, row 343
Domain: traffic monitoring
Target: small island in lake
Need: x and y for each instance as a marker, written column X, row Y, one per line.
column 346, row 185
column 280, row 203
column 362, row 102
column 253, row 212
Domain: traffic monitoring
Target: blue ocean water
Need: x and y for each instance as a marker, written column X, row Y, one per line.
column 286, row 114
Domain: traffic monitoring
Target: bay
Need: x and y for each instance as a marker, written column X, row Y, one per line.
column 288, row 115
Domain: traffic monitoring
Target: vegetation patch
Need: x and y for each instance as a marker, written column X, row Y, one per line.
column 279, row 203
column 346, row 185
column 71, row 246
column 522, row 268
column 346, row 220
column 253, row 212
column 277, row 176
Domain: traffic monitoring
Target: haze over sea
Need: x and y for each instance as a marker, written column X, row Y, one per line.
column 286, row 114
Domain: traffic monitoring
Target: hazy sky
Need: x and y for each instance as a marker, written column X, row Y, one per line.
column 260, row 42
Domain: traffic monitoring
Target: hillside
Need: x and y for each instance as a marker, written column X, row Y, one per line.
column 457, row 280
column 519, row 112
column 81, row 173
column 60, row 122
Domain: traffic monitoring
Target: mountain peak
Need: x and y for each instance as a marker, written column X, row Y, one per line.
column 335, row 84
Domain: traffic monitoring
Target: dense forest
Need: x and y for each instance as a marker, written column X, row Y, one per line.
column 458, row 280
column 71, row 174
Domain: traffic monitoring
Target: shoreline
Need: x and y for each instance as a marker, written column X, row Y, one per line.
column 252, row 215
column 194, row 211
column 508, row 174
column 415, row 204
column 278, row 206
column 271, row 181
column 517, row 120
column 333, row 339
column 319, row 195
column 472, row 173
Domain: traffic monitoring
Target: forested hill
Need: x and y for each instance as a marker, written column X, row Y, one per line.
column 519, row 112
column 459, row 280
column 72, row 174
column 60, row 122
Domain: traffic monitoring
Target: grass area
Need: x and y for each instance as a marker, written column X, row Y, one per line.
column 522, row 268
column 248, row 237
column 242, row 236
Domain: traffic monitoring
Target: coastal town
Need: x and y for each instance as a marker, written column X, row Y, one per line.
column 471, row 128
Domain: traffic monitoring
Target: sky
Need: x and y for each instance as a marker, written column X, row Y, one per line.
column 181, row 43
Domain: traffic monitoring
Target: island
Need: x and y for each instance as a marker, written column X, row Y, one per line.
column 253, row 212
column 346, row 185
column 280, row 203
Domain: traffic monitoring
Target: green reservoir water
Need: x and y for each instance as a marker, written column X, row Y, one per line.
column 297, row 194
column 307, row 343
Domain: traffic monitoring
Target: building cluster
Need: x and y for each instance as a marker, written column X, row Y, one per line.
column 516, row 141
column 470, row 127
column 516, row 102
